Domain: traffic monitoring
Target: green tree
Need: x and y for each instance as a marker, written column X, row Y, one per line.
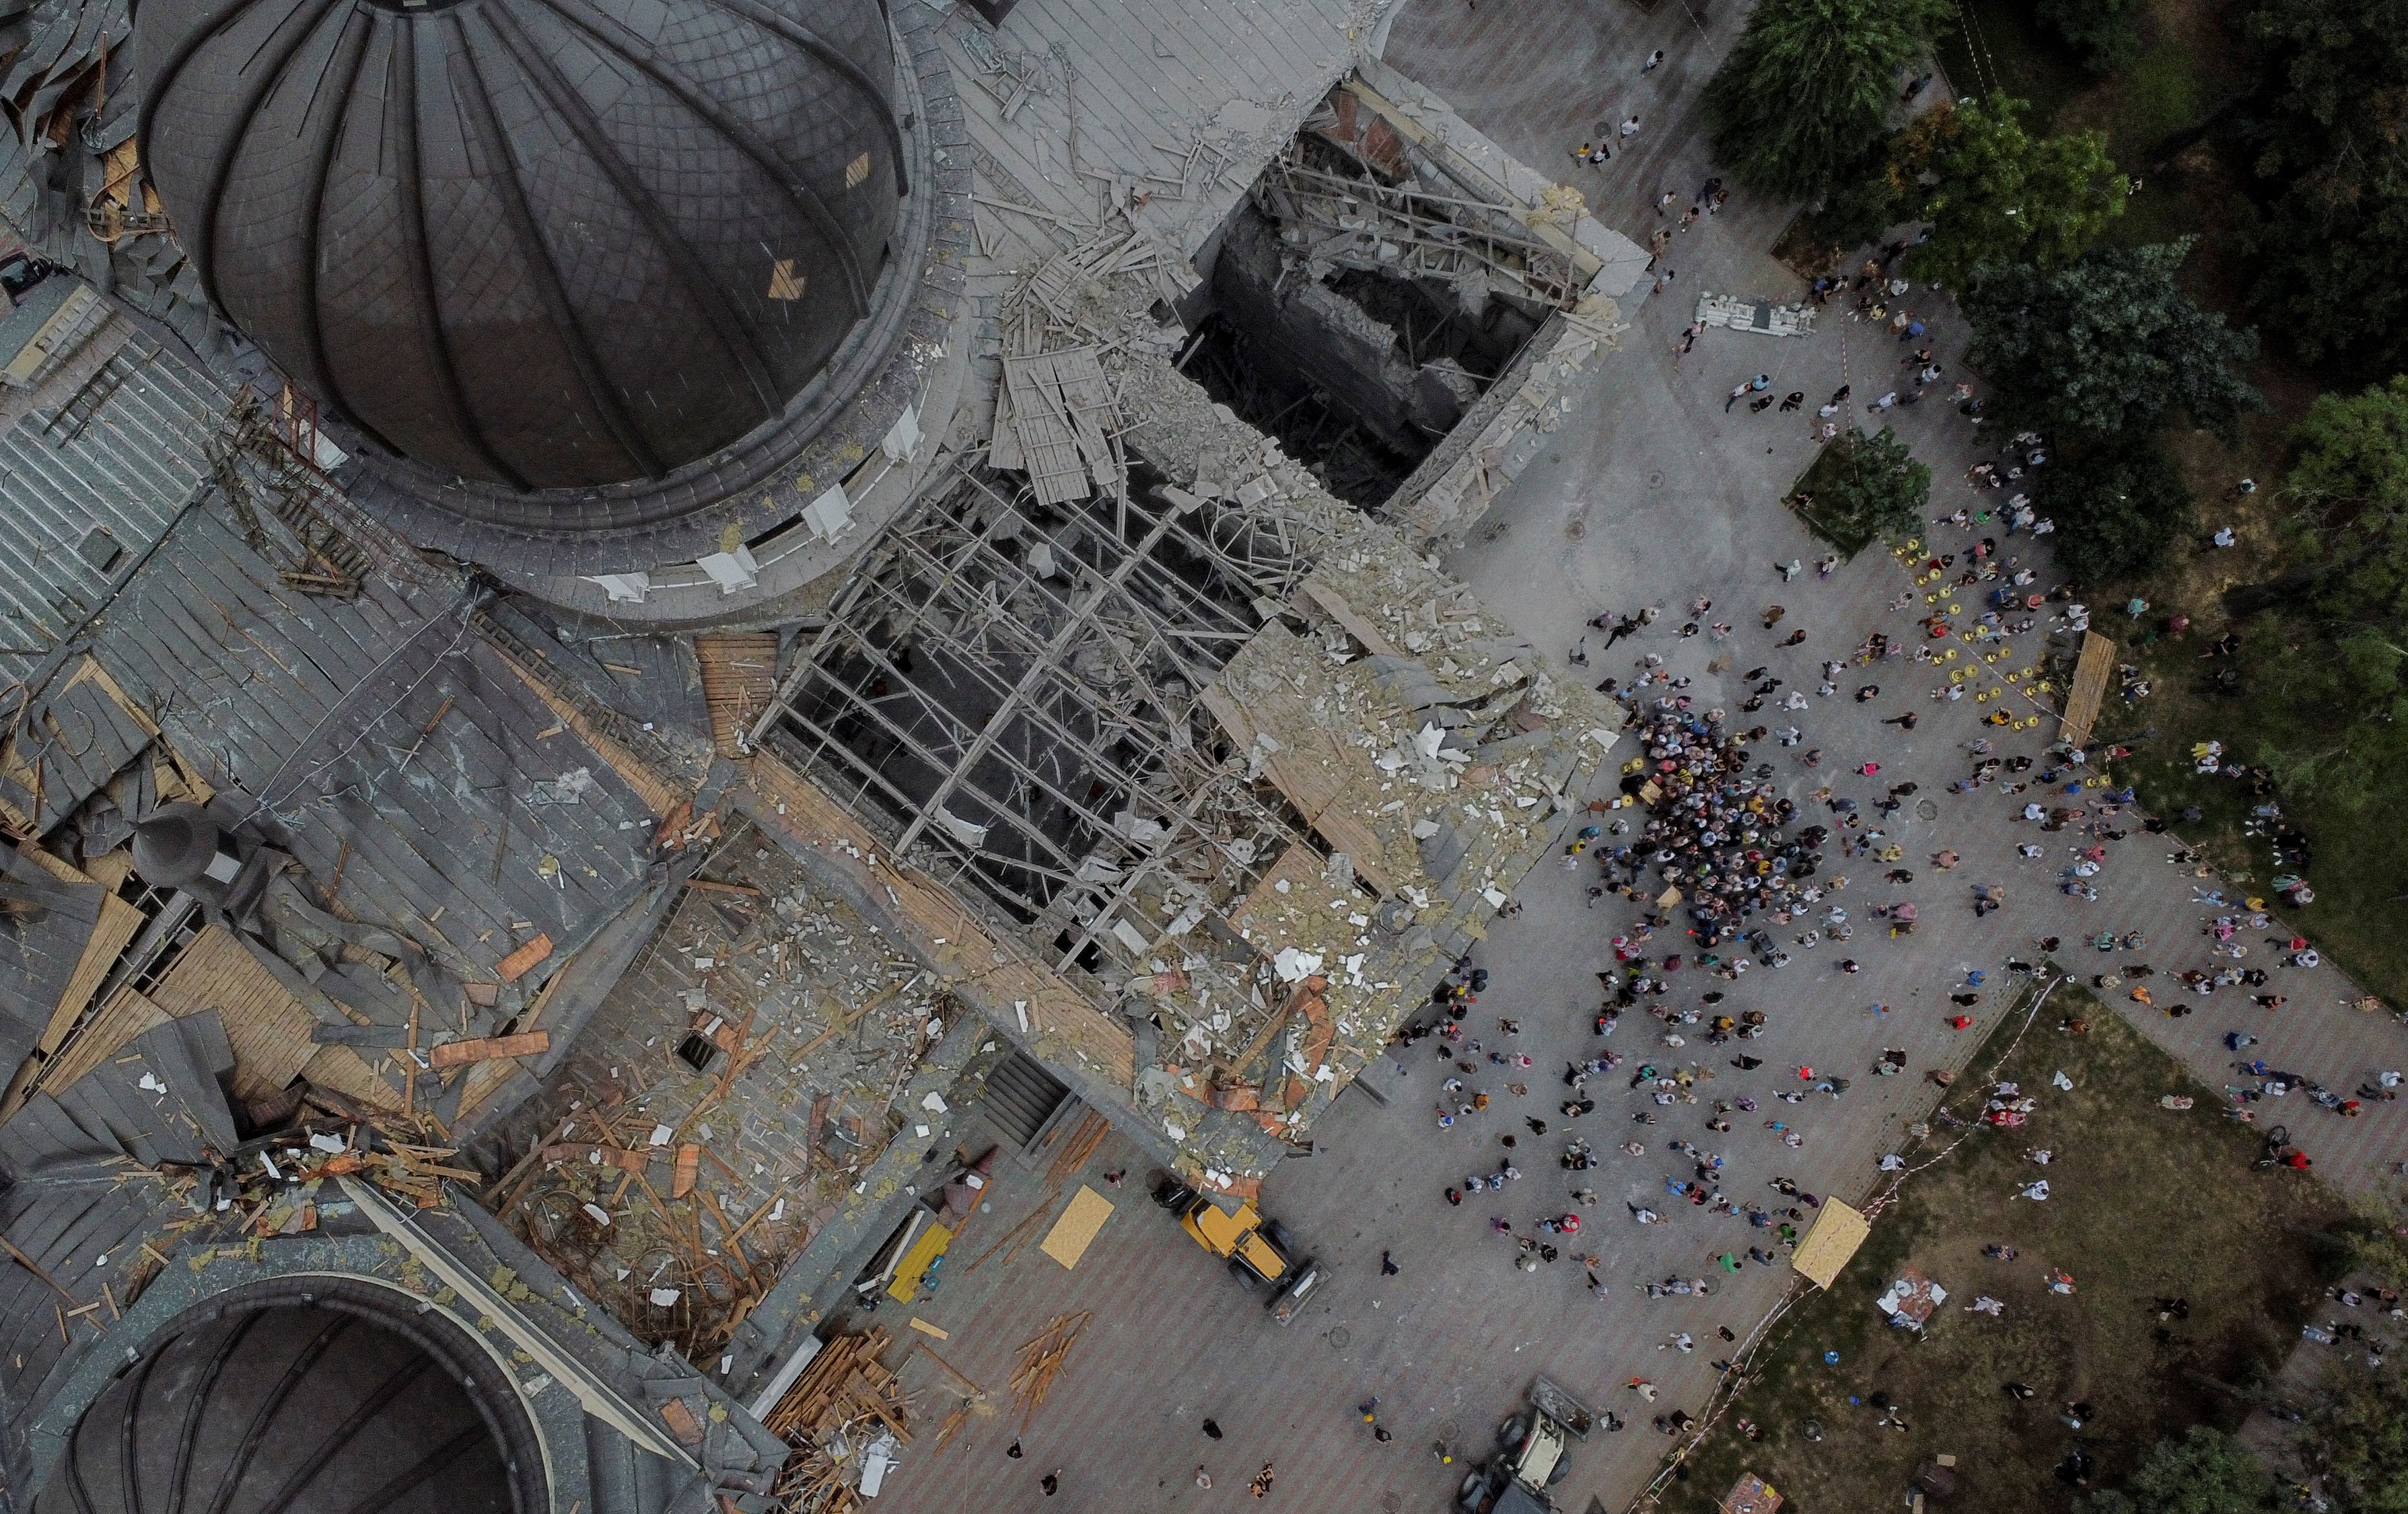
column 1810, row 86
column 2357, row 1438
column 2107, row 32
column 1995, row 194
column 2205, row 1472
column 2106, row 348
column 2350, row 471
column 2330, row 696
column 1862, row 488
column 2331, row 150
column 2119, row 509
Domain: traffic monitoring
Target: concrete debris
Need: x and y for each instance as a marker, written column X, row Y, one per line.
column 1733, row 313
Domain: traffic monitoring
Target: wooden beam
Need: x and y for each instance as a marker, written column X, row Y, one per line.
column 523, row 961
column 461, row 1053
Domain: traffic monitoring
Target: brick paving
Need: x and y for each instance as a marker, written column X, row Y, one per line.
column 1671, row 498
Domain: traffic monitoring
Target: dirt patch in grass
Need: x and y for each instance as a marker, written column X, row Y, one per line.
column 2144, row 1203
column 1999, row 44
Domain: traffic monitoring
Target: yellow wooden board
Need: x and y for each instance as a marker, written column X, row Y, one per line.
column 1824, row 1253
column 930, row 1246
column 2090, row 673
column 1073, row 1233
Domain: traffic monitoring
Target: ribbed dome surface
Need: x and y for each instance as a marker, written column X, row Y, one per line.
column 336, row 1402
column 538, row 243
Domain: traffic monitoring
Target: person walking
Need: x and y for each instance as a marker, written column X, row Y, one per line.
column 1649, row 66
column 1262, row 1483
column 1630, row 128
column 1738, row 391
column 1051, row 1482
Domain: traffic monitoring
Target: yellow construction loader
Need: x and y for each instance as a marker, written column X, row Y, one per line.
column 1259, row 1251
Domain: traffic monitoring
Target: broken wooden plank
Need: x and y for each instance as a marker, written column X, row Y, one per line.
column 485, row 1048
column 523, row 961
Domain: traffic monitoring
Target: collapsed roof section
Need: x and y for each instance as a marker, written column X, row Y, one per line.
column 1238, row 765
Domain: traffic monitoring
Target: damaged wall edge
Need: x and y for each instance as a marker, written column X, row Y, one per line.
column 1079, row 1043
column 811, row 1279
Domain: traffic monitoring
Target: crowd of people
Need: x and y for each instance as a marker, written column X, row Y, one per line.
column 1728, row 842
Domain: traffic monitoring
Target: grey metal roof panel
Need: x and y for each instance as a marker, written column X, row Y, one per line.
column 128, row 467
column 40, row 1136
column 159, row 1098
column 38, row 951
column 310, row 705
column 74, row 743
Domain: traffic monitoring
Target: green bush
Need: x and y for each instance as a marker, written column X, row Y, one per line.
column 1861, row 489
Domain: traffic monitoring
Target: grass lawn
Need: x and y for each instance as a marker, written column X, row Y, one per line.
column 2357, row 869
column 2144, row 1203
column 1999, row 44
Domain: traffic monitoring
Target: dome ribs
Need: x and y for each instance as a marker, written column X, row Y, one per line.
column 734, row 332
column 263, row 79
column 647, row 59
column 777, row 24
column 597, row 381
column 408, row 40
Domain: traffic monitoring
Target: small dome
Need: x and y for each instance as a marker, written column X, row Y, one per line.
column 541, row 244
column 315, row 1397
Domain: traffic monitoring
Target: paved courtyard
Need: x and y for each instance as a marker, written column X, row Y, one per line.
column 1652, row 495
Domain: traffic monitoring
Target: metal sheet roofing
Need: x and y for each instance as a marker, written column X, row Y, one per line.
column 115, row 441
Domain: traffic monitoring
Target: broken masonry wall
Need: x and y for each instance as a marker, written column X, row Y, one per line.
column 1310, row 334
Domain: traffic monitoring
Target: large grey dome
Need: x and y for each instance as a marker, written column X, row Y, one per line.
column 541, row 244
column 317, row 1395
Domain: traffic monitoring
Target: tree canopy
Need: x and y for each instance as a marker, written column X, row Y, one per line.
column 2331, row 154
column 1810, row 86
column 2118, row 510
column 2331, row 700
column 1995, row 194
column 2204, row 1472
column 1861, row 489
column 2106, row 347
column 2357, row 1438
